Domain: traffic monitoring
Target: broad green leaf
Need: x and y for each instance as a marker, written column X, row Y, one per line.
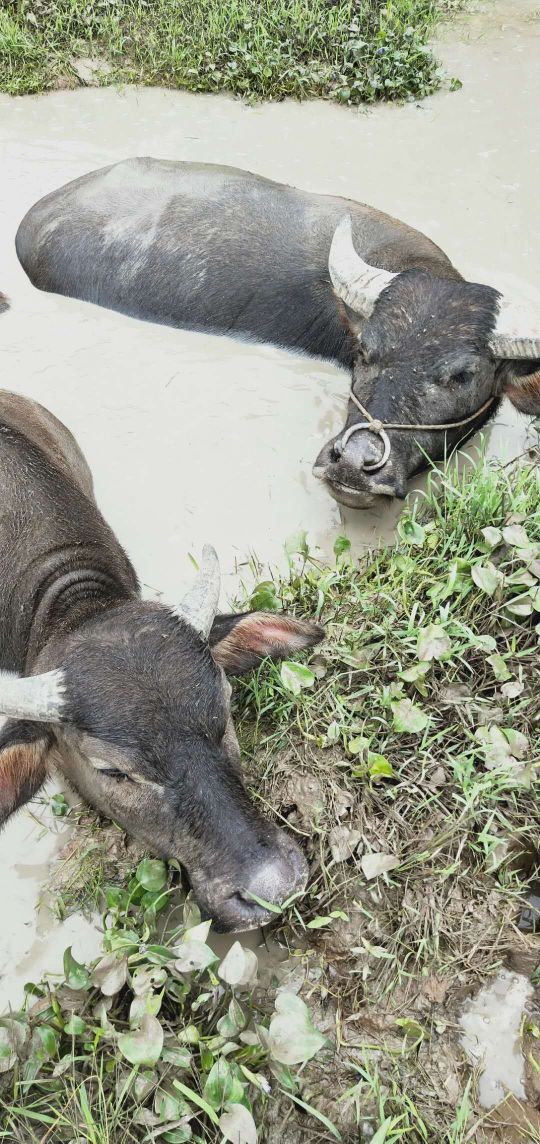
column 379, row 767
column 226, row 1028
column 221, row 1086
column 152, row 874
column 110, row 974
column 357, row 744
column 191, row 914
column 238, row 1125
column 198, row 932
column 342, row 544
column 180, row 1135
column 144, row 1003
column 59, row 805
column 411, row 532
column 189, row 1035
column 520, row 605
column 485, row 643
column 492, row 536
column 505, row 749
column 519, row 744
column 193, row 956
column 295, row 676
column 487, row 577
column 44, row 1042
column 515, row 536
column 64, row 1064
column 176, row 1055
column 75, row 1026
column 76, row 975
column 292, row 1037
column 512, row 690
column 411, row 674
column 433, row 643
column 144, row 1045
column 343, row 842
column 413, row 1030
column 499, row 667
column 297, row 545
column 264, row 597
column 408, row 717
column 522, row 578
column 169, row 1107
column 148, row 978
column 239, row 966
column 234, row 1020
column 320, row 922
column 8, row 1056
column 375, row 864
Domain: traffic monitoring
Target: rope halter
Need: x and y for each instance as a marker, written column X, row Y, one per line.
column 373, row 425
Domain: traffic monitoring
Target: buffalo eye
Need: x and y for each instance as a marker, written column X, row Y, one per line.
column 113, row 773
column 463, row 377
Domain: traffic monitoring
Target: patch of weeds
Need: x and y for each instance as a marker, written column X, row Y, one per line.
column 405, row 758
column 98, row 852
column 352, row 51
column 159, row 1039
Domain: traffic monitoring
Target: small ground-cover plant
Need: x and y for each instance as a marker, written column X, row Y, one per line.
column 349, row 50
column 159, row 1039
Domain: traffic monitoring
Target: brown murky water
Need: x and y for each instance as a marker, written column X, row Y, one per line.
column 491, row 1028
column 192, row 437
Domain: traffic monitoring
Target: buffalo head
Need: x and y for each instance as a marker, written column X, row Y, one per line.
column 134, row 708
column 430, row 351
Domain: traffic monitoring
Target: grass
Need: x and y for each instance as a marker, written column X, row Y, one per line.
column 353, row 51
column 404, row 754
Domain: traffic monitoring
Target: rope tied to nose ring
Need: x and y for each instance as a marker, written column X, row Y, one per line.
column 374, row 425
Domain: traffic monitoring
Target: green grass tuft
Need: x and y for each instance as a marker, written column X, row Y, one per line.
column 347, row 50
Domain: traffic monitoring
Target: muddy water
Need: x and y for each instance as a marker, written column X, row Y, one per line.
column 491, row 1024
column 193, row 437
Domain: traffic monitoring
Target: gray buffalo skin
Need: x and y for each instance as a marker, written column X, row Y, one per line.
column 147, row 736
column 224, row 250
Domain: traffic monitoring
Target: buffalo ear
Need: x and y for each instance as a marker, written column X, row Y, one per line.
column 241, row 642
column 523, row 388
column 350, row 320
column 24, row 748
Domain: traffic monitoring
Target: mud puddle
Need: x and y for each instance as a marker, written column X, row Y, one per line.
column 192, row 437
column 491, row 1036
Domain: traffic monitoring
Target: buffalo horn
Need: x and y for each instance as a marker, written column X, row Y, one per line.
column 516, row 334
column 39, row 698
column 354, row 281
column 199, row 606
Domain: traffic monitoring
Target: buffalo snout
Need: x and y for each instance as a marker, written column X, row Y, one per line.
column 235, row 905
column 348, row 472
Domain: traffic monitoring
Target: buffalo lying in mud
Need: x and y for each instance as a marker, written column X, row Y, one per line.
column 129, row 699
column 220, row 249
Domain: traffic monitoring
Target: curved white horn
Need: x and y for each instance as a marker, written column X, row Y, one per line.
column 39, row 698
column 354, row 280
column 199, row 606
column 516, row 334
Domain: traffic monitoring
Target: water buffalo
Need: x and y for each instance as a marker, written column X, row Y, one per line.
column 129, row 699
column 216, row 248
